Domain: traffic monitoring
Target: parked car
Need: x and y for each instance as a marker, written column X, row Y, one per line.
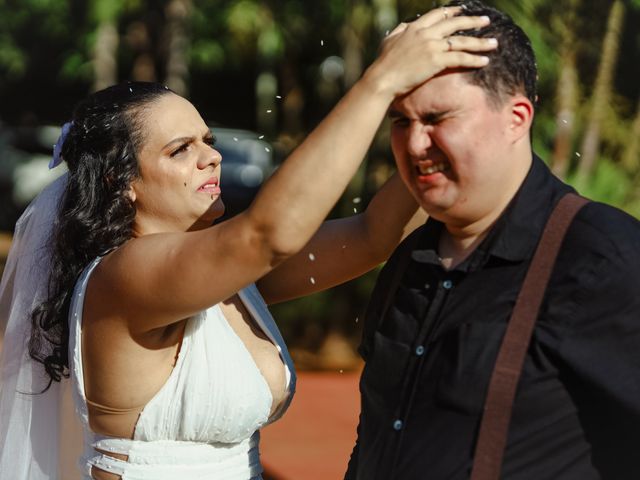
column 247, row 161
column 25, row 153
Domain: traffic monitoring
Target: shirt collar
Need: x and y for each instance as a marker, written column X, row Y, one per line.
column 515, row 234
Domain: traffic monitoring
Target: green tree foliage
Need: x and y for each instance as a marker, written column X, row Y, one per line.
column 240, row 54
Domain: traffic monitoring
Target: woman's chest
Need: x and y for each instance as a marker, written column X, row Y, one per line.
column 263, row 352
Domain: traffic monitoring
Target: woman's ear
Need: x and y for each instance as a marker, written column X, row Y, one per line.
column 131, row 193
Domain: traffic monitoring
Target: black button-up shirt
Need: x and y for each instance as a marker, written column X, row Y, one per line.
column 429, row 357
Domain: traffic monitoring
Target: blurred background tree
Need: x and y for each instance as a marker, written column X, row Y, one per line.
column 277, row 67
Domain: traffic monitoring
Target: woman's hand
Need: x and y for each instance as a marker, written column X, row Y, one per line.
column 414, row 52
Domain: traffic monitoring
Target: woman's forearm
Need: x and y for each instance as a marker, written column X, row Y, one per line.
column 295, row 201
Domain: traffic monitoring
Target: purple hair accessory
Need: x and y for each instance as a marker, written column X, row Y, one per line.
column 57, row 148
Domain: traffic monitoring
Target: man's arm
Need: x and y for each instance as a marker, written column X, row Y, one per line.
column 600, row 348
column 352, row 467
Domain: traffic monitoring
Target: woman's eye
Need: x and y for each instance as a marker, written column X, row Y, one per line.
column 211, row 141
column 182, row 148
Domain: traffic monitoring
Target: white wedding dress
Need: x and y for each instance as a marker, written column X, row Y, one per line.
column 203, row 423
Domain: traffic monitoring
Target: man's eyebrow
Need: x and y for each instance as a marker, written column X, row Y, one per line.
column 432, row 117
column 393, row 113
column 429, row 117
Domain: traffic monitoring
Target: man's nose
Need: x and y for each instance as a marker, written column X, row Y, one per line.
column 418, row 140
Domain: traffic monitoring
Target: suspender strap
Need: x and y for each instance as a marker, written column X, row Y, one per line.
column 494, row 427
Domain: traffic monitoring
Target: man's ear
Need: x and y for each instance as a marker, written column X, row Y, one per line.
column 521, row 117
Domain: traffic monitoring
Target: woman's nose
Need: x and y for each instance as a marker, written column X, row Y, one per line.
column 210, row 156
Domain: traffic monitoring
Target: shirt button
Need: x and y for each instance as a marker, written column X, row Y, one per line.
column 397, row 425
column 447, row 284
column 419, row 350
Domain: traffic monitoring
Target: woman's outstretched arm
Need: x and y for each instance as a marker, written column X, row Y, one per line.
column 345, row 248
column 161, row 278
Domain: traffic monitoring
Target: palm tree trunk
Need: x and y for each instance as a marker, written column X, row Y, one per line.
column 138, row 38
column 631, row 163
column 292, row 104
column 631, row 155
column 566, row 101
column 105, row 66
column 601, row 93
column 353, row 32
column 177, row 12
column 566, row 93
column 266, row 89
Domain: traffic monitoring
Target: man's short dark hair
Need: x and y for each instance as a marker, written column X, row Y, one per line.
column 512, row 68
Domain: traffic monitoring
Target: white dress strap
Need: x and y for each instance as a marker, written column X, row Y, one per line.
column 257, row 307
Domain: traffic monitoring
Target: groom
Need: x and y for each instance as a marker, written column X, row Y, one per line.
column 462, row 145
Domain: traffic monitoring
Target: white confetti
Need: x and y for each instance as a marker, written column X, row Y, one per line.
column 312, row 280
column 235, row 139
column 355, row 210
column 386, row 34
column 268, row 111
column 357, row 200
column 312, row 257
column 278, row 97
column 356, row 319
column 564, row 121
column 260, row 137
column 578, row 154
column 322, row 43
column 266, row 149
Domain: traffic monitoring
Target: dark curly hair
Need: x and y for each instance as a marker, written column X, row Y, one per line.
column 96, row 214
column 512, row 68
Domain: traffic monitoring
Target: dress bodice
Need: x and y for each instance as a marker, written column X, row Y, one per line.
column 203, row 421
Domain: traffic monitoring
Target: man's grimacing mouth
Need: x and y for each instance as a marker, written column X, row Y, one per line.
column 431, row 169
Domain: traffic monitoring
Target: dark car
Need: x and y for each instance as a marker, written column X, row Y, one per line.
column 25, row 153
column 247, row 161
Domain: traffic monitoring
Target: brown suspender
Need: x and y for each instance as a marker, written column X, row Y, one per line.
column 494, row 426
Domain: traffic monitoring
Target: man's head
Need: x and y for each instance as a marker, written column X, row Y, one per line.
column 512, row 67
column 461, row 140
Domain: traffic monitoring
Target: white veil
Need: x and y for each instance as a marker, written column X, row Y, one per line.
column 29, row 422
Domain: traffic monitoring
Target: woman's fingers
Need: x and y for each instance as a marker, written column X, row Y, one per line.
column 416, row 51
column 434, row 16
column 451, row 25
column 463, row 60
column 399, row 29
column 469, row 44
